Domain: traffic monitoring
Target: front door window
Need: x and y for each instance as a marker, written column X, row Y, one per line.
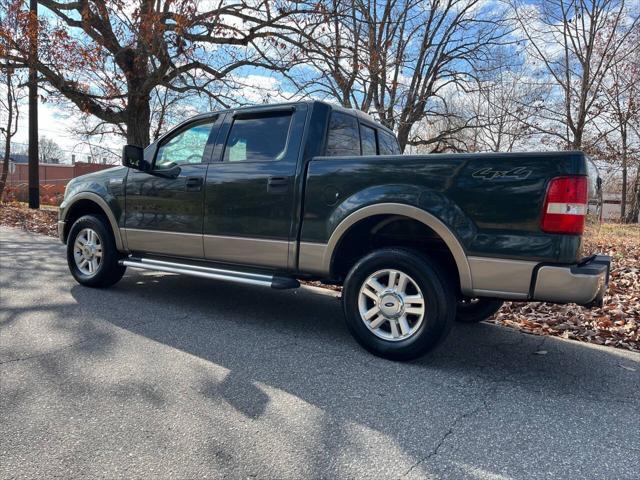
column 184, row 148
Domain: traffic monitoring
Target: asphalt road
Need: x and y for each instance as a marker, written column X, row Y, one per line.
column 164, row 376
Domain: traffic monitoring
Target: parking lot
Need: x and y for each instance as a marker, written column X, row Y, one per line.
column 164, row 376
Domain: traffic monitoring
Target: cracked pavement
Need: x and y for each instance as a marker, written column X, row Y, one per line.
column 164, row 376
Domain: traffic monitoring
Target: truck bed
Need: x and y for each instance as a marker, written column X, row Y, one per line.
column 491, row 201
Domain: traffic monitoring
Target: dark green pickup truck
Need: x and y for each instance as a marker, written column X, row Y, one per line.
column 272, row 194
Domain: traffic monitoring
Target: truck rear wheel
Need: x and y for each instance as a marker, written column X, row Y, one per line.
column 474, row 310
column 398, row 304
column 91, row 253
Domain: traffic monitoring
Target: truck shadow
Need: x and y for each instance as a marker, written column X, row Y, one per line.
column 248, row 329
column 294, row 343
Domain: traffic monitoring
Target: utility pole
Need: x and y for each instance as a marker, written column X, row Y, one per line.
column 34, row 173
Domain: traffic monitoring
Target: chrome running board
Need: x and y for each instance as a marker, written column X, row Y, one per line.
column 263, row 280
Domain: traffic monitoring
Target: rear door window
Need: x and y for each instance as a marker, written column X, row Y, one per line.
column 368, row 140
column 388, row 143
column 343, row 137
column 258, row 139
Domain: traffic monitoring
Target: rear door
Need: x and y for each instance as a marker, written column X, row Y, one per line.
column 249, row 193
column 164, row 215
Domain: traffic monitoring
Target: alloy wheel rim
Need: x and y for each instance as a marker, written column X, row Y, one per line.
column 391, row 305
column 87, row 251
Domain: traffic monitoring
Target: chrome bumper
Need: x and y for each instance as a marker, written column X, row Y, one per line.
column 584, row 284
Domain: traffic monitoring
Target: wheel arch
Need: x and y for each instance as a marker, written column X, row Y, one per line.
column 409, row 212
column 84, row 203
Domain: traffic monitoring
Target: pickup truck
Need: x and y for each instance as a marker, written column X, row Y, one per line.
column 274, row 194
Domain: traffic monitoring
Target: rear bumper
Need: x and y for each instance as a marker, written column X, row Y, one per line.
column 584, row 284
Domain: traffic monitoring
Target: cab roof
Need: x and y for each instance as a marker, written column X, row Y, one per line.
column 349, row 111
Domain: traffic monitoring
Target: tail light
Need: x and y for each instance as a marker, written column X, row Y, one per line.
column 565, row 206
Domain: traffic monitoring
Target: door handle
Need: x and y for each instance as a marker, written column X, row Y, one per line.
column 193, row 184
column 277, row 184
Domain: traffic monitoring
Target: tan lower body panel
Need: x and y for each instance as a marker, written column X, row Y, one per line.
column 247, row 251
column 167, row 243
column 311, row 257
column 501, row 278
column 240, row 250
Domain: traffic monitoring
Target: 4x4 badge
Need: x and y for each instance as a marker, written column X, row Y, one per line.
column 488, row 173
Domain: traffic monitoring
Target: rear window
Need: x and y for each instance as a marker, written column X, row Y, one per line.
column 388, row 143
column 343, row 137
column 368, row 138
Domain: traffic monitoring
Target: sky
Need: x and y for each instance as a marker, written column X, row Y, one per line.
column 52, row 124
column 58, row 122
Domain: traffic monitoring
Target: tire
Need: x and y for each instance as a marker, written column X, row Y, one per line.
column 477, row 309
column 418, row 333
column 81, row 245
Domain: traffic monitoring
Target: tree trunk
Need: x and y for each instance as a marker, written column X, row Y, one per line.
column 5, row 162
column 577, row 140
column 7, row 145
column 138, row 118
column 403, row 136
column 634, row 211
column 5, row 166
column 623, row 200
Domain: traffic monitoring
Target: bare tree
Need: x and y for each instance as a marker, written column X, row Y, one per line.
column 12, row 94
column 10, row 106
column 49, row 151
column 396, row 58
column 621, row 91
column 489, row 114
column 562, row 37
column 108, row 58
column 332, row 53
column 633, row 212
column 502, row 102
column 167, row 108
column 633, row 160
column 457, row 126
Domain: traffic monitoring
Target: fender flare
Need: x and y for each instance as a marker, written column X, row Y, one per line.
column 452, row 242
column 104, row 206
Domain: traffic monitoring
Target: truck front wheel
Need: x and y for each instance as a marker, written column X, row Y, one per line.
column 91, row 253
column 398, row 304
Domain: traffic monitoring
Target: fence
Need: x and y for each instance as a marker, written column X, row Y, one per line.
column 53, row 180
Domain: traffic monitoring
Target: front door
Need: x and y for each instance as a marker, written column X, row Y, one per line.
column 164, row 215
column 249, row 198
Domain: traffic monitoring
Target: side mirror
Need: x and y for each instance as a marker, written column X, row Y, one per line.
column 133, row 157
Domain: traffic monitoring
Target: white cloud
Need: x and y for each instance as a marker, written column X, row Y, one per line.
column 58, row 123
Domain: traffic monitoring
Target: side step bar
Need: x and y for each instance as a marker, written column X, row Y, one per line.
column 263, row 280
